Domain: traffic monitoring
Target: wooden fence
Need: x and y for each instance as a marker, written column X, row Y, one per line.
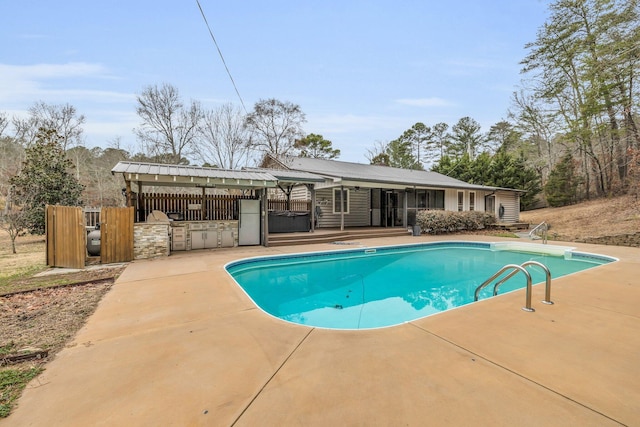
column 116, row 235
column 66, row 237
column 195, row 207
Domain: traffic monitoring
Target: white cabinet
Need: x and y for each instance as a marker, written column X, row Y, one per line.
column 204, row 239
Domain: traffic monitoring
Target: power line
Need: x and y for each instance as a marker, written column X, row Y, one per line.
column 221, row 56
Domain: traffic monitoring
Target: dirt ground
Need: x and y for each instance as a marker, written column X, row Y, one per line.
column 45, row 319
column 613, row 221
column 40, row 315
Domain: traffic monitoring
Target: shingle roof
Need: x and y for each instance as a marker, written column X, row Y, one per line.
column 374, row 173
column 285, row 175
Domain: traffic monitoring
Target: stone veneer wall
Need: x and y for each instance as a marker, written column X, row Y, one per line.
column 150, row 240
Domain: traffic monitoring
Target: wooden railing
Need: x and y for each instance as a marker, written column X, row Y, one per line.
column 193, row 207
column 216, row 207
column 91, row 216
column 293, row 205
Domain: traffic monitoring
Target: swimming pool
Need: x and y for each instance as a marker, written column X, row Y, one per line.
column 385, row 286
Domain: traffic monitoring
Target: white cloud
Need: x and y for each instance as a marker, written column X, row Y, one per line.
column 25, row 84
column 425, row 102
column 52, row 71
column 109, row 114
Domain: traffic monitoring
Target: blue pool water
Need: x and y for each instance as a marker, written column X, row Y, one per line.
column 385, row 286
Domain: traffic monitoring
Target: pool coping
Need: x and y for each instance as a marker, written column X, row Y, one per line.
column 176, row 342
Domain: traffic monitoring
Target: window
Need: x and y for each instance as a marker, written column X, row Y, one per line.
column 472, row 200
column 436, row 199
column 337, row 198
column 421, row 199
column 490, row 204
column 460, row 201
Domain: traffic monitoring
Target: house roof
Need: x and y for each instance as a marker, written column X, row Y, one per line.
column 192, row 176
column 290, row 176
column 294, row 170
column 358, row 172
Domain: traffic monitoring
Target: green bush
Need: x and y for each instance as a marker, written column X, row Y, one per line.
column 437, row 222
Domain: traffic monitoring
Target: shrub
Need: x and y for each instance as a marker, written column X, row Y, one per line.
column 436, row 222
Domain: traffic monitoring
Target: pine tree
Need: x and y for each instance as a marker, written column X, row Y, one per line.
column 561, row 187
column 315, row 146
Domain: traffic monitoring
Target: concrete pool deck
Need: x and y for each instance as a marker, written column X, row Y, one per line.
column 176, row 342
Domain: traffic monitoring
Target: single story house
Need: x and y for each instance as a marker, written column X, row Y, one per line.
column 210, row 207
column 361, row 195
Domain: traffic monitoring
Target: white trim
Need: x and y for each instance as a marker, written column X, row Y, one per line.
column 346, row 191
column 460, row 200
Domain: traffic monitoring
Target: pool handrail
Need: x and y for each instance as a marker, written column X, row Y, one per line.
column 544, row 228
column 516, row 267
column 547, row 285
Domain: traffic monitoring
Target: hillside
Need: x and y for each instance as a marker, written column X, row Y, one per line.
column 610, row 220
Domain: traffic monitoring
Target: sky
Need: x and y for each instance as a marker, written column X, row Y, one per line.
column 363, row 72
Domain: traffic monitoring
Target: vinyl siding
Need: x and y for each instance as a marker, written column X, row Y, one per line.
column 358, row 215
column 451, row 200
column 511, row 202
column 300, row 192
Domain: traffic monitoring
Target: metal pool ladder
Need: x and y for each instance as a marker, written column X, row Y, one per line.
column 514, row 270
column 543, row 228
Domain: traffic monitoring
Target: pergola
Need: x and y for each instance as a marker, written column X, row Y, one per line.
column 138, row 175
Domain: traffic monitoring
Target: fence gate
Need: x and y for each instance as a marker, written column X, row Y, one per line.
column 116, row 235
column 66, row 237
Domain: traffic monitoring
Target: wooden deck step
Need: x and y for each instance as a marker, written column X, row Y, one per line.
column 328, row 236
column 514, row 226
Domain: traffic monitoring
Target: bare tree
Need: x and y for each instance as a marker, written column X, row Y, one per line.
column 64, row 119
column 378, row 155
column 4, row 122
column 169, row 131
column 275, row 125
column 13, row 220
column 11, row 158
column 225, row 140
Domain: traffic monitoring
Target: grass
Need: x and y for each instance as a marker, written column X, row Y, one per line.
column 8, row 348
column 21, row 266
column 12, row 382
column 505, row 234
column 27, row 282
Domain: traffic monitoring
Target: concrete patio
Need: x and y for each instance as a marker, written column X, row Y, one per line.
column 176, row 342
